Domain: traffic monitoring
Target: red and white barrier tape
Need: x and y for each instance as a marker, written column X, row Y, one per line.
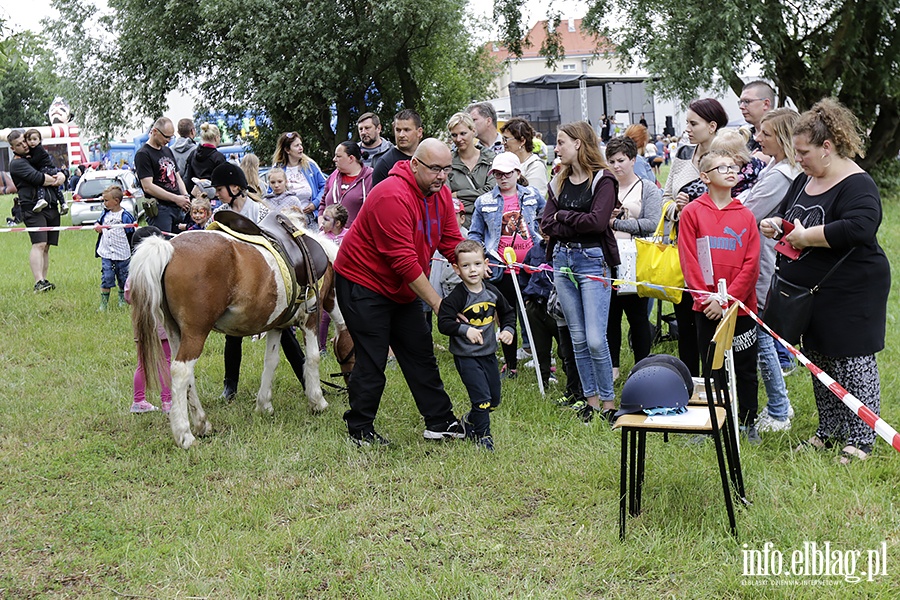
column 74, row 228
column 879, row 425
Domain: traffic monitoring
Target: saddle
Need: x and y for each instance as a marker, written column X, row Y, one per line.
column 304, row 256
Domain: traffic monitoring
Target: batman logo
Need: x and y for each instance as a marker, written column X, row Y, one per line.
column 480, row 308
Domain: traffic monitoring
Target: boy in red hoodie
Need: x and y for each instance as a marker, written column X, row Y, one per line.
column 733, row 239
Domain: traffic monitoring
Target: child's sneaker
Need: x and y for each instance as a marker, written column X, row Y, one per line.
column 142, row 407
column 486, row 442
column 508, row 373
column 40, row 205
column 166, row 406
column 63, row 208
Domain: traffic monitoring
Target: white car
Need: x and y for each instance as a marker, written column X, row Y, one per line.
column 87, row 201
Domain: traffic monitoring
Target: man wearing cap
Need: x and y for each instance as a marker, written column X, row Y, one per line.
column 155, row 166
column 381, row 273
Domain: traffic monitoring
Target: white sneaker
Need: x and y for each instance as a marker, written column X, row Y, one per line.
column 522, row 354
column 530, row 363
column 765, row 411
column 41, row 205
column 765, row 423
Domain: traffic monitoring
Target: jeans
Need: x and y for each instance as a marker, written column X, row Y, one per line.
column 586, row 308
column 112, row 271
column 770, row 370
column 168, row 218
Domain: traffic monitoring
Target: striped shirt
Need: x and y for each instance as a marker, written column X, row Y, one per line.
column 113, row 242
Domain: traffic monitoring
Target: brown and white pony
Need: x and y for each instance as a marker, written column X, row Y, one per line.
column 202, row 281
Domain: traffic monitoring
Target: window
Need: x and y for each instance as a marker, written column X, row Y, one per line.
column 568, row 68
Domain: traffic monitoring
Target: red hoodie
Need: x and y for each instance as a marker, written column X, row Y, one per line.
column 395, row 235
column 734, row 246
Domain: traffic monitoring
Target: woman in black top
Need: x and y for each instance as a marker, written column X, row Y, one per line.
column 580, row 203
column 836, row 210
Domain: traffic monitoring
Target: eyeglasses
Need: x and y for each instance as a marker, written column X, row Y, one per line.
column 168, row 137
column 499, row 175
column 507, row 140
column 725, row 169
column 748, row 101
column 435, row 168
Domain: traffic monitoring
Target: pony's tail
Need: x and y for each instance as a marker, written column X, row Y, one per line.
column 147, row 305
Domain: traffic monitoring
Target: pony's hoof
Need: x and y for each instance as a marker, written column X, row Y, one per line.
column 318, row 407
column 203, row 429
column 266, row 409
column 185, row 441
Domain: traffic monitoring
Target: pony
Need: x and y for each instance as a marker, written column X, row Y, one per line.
column 206, row 280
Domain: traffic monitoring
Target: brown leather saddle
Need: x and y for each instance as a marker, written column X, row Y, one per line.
column 305, row 257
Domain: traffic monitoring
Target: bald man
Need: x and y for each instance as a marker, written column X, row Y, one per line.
column 155, row 166
column 382, row 274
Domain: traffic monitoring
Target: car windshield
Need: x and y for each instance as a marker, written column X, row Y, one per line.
column 93, row 188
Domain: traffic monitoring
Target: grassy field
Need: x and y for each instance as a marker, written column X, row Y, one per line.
column 97, row 502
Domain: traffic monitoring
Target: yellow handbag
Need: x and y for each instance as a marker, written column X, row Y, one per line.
column 658, row 264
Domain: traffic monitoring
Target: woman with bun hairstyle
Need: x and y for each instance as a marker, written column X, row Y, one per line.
column 205, row 158
column 836, row 211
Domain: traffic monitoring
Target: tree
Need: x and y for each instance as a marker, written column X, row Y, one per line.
column 28, row 82
column 848, row 49
column 312, row 66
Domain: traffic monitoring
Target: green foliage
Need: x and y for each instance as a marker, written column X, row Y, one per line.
column 312, row 66
column 848, row 49
column 28, row 81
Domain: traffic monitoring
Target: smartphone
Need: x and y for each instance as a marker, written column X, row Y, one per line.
column 783, row 246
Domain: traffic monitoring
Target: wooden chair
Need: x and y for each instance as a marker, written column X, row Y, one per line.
column 718, row 423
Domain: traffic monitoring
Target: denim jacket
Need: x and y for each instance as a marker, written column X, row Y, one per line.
column 487, row 218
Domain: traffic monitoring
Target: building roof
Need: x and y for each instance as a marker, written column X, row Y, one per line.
column 575, row 43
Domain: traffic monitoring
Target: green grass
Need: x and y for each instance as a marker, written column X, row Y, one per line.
column 97, row 502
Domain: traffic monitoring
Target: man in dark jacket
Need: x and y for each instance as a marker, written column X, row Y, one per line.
column 28, row 181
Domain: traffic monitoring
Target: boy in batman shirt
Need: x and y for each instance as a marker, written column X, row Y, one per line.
column 473, row 343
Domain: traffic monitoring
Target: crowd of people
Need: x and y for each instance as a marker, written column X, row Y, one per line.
column 486, row 198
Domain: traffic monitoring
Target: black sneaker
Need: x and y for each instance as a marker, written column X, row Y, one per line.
column 366, row 438
column 565, row 401
column 587, row 413
column 50, row 285
column 486, row 442
column 449, row 430
column 42, row 286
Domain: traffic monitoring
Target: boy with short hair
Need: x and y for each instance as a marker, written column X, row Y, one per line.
column 113, row 245
column 41, row 160
column 474, row 344
column 733, row 241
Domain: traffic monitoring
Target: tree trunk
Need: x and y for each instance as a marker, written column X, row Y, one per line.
column 884, row 139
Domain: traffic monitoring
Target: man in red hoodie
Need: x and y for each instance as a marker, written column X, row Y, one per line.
column 382, row 273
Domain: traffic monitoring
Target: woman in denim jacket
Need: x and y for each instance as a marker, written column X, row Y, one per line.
column 507, row 216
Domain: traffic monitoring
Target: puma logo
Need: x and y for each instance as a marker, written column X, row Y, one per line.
column 736, row 236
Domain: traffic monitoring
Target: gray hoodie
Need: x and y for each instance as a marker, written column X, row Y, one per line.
column 183, row 148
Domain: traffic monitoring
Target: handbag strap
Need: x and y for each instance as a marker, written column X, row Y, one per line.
column 658, row 234
column 833, row 269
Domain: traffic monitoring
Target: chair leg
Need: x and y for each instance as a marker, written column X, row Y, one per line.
column 726, row 484
column 632, row 475
column 623, row 483
column 642, row 453
column 734, row 461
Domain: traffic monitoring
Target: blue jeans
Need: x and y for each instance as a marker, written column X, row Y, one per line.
column 168, row 218
column 586, row 308
column 112, row 271
column 770, row 370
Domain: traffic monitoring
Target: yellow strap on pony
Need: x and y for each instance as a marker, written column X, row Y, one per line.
column 257, row 240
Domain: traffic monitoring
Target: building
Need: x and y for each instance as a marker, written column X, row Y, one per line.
column 583, row 85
